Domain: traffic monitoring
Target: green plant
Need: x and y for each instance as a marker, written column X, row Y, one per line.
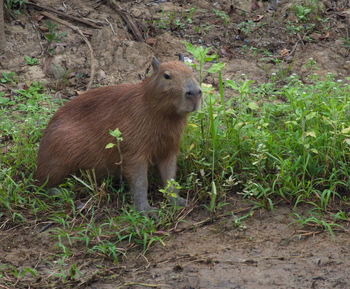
column 291, row 149
column 202, row 56
column 346, row 44
column 214, row 205
column 238, row 221
column 318, row 222
column 52, row 36
column 31, row 60
column 301, row 12
column 8, row 77
column 222, row 15
column 169, row 191
column 189, row 15
column 173, row 20
column 14, row 7
column 247, row 27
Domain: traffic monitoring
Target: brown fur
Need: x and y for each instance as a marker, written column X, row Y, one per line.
column 151, row 116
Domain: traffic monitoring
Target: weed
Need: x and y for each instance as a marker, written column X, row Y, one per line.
column 52, row 37
column 301, row 12
column 238, row 221
column 14, row 7
column 174, row 20
column 317, row 222
column 31, row 60
column 8, row 78
column 169, row 191
column 346, row 44
column 222, row 15
column 308, row 10
column 290, row 149
column 202, row 56
column 247, row 27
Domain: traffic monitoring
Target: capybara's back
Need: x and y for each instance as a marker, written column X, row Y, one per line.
column 76, row 136
column 150, row 115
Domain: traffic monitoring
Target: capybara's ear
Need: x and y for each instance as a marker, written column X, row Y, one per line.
column 181, row 57
column 155, row 64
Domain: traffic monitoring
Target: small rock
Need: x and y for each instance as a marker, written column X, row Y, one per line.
column 34, row 73
column 151, row 41
column 100, row 75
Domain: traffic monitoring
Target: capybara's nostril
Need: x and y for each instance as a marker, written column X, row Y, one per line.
column 190, row 94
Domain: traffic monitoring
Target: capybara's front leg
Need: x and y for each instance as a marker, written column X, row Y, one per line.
column 137, row 178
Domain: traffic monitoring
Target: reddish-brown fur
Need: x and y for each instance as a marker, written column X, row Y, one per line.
column 151, row 116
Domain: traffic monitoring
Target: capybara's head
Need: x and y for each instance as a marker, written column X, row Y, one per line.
column 175, row 85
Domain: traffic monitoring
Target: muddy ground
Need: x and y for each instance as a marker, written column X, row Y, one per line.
column 266, row 250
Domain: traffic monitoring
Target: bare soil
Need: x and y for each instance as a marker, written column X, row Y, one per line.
column 268, row 251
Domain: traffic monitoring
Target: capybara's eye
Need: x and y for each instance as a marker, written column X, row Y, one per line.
column 167, row 76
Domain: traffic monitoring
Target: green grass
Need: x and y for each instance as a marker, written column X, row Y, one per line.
column 266, row 142
column 289, row 143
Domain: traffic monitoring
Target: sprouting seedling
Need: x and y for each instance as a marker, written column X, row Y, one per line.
column 52, row 36
column 7, row 77
column 201, row 55
column 224, row 17
column 170, row 190
column 118, row 136
column 31, row 60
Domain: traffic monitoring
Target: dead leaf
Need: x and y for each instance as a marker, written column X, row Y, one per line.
column 43, row 29
column 315, row 36
column 151, row 41
column 38, row 17
column 257, row 18
column 284, row 52
column 325, row 36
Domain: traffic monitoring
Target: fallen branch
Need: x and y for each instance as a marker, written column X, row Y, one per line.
column 132, row 26
column 209, row 220
column 64, row 15
column 140, row 284
column 294, row 48
column 76, row 29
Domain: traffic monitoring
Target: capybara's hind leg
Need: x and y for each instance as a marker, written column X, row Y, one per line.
column 50, row 177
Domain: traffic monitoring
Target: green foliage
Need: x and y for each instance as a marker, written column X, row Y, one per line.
column 117, row 135
column 31, row 60
column 202, row 56
column 14, row 7
column 8, row 78
column 22, row 117
column 301, row 12
column 170, row 189
column 317, row 221
column 174, row 20
column 222, row 15
column 346, row 43
column 52, row 36
column 269, row 142
column 308, row 10
column 247, row 27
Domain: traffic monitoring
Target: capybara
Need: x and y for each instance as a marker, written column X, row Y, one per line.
column 150, row 115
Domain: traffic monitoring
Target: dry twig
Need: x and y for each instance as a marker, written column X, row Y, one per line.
column 141, row 284
column 127, row 19
column 208, row 220
column 65, row 15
